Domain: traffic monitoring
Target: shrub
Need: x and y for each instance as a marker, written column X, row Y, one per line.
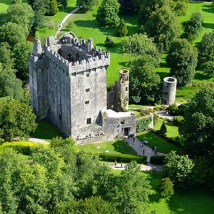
column 122, row 28
column 173, row 109
column 21, row 146
column 109, row 41
column 143, row 123
column 157, row 160
column 177, row 120
column 166, row 188
column 125, row 158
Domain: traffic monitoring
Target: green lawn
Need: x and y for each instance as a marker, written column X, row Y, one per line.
column 196, row 201
column 46, row 131
column 4, row 5
column 162, row 145
column 119, row 146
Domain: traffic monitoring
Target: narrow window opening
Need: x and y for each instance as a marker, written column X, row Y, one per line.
column 87, row 102
column 89, row 121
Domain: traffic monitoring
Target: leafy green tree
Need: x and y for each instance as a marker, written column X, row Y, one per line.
column 165, row 188
column 53, row 8
column 140, row 45
column 122, row 29
column 149, row 7
column 163, row 27
column 179, row 169
column 16, row 120
column 124, row 195
column 21, row 14
column 163, row 129
column 10, row 85
column 12, row 33
column 85, row 5
column 6, row 56
column 21, row 51
column 144, row 82
column 193, row 26
column 129, row 6
column 107, row 13
column 109, row 42
column 179, row 6
column 198, row 125
column 182, row 59
column 206, row 54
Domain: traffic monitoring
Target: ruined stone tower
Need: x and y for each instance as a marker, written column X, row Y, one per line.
column 68, row 86
column 169, row 90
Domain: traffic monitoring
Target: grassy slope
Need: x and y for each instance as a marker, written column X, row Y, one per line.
column 4, row 5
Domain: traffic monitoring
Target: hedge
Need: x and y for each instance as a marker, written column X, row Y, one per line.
column 124, row 158
column 21, row 146
column 157, row 160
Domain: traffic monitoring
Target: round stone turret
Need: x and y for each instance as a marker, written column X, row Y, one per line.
column 169, row 90
column 37, row 48
column 124, row 88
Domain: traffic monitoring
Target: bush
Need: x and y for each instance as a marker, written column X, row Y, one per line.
column 109, row 41
column 166, row 188
column 122, row 28
column 21, row 147
column 173, row 109
column 143, row 123
column 124, row 158
column 157, row 160
column 177, row 120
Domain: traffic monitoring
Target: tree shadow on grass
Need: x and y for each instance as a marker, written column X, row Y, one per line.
column 201, row 76
column 162, row 74
column 123, row 147
column 208, row 8
column 208, row 25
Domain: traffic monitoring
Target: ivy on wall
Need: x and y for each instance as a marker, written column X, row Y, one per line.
column 143, row 123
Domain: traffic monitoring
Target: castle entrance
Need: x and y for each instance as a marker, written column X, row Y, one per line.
column 126, row 131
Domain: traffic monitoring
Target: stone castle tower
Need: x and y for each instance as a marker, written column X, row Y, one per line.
column 68, row 86
column 169, row 90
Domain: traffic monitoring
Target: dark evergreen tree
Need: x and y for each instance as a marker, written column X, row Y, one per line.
column 122, row 29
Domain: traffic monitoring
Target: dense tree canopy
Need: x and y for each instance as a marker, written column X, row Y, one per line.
column 122, row 29
column 206, row 54
column 163, row 27
column 85, row 4
column 107, row 13
column 144, row 82
column 179, row 169
column 182, row 59
column 198, row 125
column 16, row 119
column 193, row 26
column 6, row 56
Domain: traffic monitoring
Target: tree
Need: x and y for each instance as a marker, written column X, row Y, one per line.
column 165, row 188
column 21, row 14
column 122, row 28
column 6, row 56
column 140, row 45
column 109, row 41
column 163, row 129
column 182, row 59
column 85, row 5
column 178, row 169
column 193, row 26
column 107, row 13
column 149, row 7
column 12, row 33
column 163, row 27
column 206, row 54
column 124, row 195
column 179, row 6
column 16, row 119
column 198, row 125
column 144, row 82
column 53, row 8
column 10, row 85
column 128, row 6
column 21, row 51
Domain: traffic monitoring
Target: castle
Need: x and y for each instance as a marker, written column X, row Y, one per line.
column 68, row 86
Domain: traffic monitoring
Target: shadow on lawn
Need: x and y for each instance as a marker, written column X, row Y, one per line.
column 123, row 147
column 208, row 8
column 208, row 25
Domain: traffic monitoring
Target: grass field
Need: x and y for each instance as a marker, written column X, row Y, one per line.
column 4, row 5
column 119, row 146
column 162, row 145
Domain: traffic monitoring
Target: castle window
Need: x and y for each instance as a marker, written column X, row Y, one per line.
column 89, row 121
column 60, row 116
column 122, row 122
column 87, row 90
column 87, row 75
column 126, row 88
column 87, row 102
